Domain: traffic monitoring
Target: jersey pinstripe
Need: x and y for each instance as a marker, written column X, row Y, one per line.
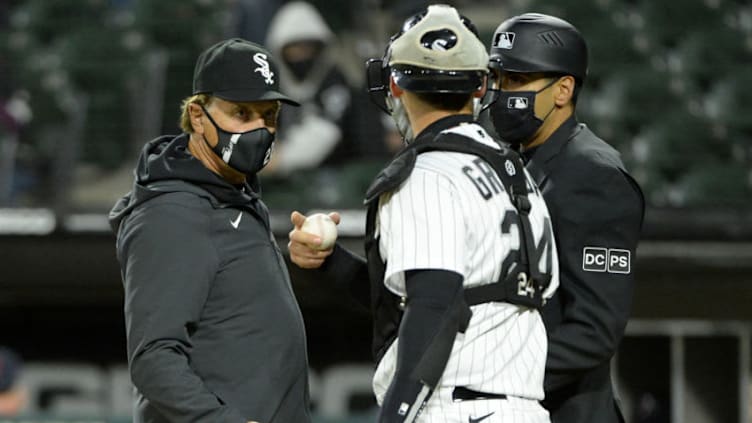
column 452, row 213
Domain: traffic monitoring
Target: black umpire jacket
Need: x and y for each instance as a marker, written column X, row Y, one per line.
column 597, row 211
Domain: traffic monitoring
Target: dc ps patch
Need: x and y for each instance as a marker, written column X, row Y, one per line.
column 594, row 259
column 611, row 260
column 619, row 261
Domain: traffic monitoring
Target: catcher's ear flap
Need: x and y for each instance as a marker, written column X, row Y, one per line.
column 377, row 82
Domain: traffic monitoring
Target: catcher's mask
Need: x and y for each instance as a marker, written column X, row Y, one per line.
column 435, row 51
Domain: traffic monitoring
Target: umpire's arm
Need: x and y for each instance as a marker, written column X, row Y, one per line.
column 601, row 212
column 342, row 267
column 349, row 272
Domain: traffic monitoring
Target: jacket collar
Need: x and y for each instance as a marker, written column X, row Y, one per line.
column 537, row 158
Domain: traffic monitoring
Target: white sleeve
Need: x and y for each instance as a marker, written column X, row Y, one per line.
column 421, row 226
column 307, row 144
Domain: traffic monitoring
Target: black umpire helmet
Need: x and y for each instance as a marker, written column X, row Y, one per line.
column 535, row 42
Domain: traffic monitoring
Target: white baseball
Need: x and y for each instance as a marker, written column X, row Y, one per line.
column 323, row 226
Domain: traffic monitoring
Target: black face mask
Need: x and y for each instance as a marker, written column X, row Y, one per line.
column 302, row 68
column 513, row 115
column 247, row 152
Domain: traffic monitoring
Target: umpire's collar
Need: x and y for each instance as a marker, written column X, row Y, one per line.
column 537, row 157
column 545, row 151
column 431, row 131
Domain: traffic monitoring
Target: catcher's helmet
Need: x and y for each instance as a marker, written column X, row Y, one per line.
column 436, row 51
column 534, row 42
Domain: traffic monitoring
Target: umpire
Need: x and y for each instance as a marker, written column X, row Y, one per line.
column 540, row 64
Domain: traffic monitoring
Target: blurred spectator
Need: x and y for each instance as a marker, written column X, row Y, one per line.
column 335, row 138
column 12, row 397
column 651, row 409
column 14, row 113
column 320, row 132
column 249, row 19
column 14, row 179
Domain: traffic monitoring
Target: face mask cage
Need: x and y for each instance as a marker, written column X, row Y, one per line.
column 377, row 80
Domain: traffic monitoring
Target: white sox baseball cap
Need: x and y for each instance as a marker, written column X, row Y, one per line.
column 238, row 70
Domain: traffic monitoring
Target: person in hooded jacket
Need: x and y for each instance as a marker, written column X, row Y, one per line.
column 326, row 131
column 214, row 332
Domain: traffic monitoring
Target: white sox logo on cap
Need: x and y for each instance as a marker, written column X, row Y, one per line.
column 266, row 72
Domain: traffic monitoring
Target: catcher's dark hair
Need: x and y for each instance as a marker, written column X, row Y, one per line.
column 446, row 101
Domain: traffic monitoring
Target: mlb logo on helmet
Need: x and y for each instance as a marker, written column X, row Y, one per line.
column 504, row 40
column 517, row 103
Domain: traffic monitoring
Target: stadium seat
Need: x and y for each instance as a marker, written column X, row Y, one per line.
column 677, row 149
column 98, row 64
column 642, row 96
column 709, row 54
column 666, row 23
column 730, row 101
column 716, row 184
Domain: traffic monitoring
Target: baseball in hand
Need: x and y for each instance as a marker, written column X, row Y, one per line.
column 323, row 226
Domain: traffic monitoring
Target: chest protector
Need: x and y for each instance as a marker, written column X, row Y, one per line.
column 523, row 285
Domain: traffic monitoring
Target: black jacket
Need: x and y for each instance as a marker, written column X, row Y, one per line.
column 596, row 210
column 214, row 331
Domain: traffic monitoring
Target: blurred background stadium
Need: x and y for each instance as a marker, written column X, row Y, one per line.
column 84, row 83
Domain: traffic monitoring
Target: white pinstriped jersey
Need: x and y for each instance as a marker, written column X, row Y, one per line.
column 449, row 214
